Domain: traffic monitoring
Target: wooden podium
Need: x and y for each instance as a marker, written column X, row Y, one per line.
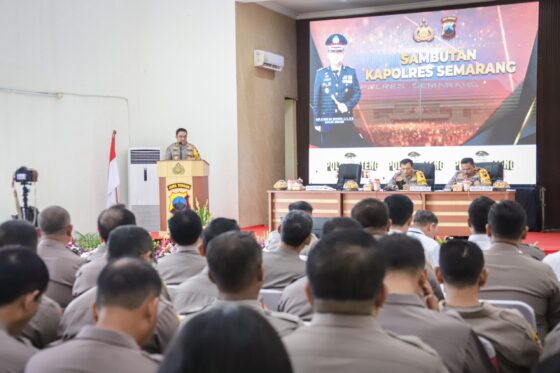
column 188, row 179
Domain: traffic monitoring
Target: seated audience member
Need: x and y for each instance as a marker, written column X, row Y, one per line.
column 235, row 264
column 552, row 343
column 274, row 240
column 462, row 271
column 109, row 219
column 424, row 229
column 469, row 171
column 41, row 329
column 373, row 215
column 346, row 271
column 185, row 229
column 293, row 299
column 406, row 312
column 56, row 233
column 478, row 218
column 198, row 292
column 531, row 250
column 401, row 209
column 125, row 313
column 127, row 241
column 23, row 279
column 283, row 265
column 228, row 339
column 515, row 276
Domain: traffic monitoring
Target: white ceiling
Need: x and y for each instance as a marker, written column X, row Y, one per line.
column 306, row 9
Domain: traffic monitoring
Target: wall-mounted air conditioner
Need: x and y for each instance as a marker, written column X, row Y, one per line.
column 268, row 60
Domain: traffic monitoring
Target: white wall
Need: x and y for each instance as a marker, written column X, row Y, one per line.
column 165, row 63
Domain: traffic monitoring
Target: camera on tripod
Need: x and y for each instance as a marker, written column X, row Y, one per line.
column 24, row 175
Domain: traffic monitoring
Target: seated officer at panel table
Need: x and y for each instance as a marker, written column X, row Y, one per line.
column 406, row 177
column 182, row 149
column 469, row 171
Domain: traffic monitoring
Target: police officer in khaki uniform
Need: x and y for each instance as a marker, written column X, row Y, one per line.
column 182, row 149
column 515, row 276
column 185, row 229
column 124, row 241
column 235, row 264
column 126, row 315
column 23, row 279
column 56, row 230
column 469, row 171
column 283, row 265
column 346, row 288
column 406, row 177
column 198, row 292
column 462, row 270
column 405, row 310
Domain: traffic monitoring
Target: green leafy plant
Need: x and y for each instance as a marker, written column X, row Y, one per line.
column 203, row 212
column 87, row 241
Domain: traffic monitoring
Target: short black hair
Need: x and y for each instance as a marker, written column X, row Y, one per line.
column 22, row 271
column 407, row 161
column 425, row 217
column 228, row 339
column 128, row 241
column 402, row 253
column 468, row 160
column 181, row 130
column 478, row 213
column 18, row 232
column 185, row 227
column 371, row 213
column 127, row 283
column 54, row 220
column 461, row 263
column 301, row 206
column 216, row 227
column 507, row 220
column 336, row 224
column 233, row 260
column 296, row 227
column 113, row 217
column 346, row 265
column 400, row 208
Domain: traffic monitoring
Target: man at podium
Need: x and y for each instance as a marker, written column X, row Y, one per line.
column 182, row 149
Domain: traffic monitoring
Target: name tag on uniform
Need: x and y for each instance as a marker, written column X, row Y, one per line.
column 420, row 188
column 481, row 188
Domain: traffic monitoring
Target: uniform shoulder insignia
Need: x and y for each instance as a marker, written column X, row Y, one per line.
column 413, row 341
column 513, row 317
column 284, row 316
column 420, row 178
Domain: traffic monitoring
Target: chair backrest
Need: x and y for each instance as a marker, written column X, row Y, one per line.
column 490, row 351
column 429, row 170
column 525, row 309
column 495, row 169
column 271, row 298
column 348, row 171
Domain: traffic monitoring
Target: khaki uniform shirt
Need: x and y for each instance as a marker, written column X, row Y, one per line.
column 42, row 329
column 515, row 276
column 400, row 176
column 62, row 265
column 476, row 179
column 454, row 340
column 13, row 353
column 176, row 268
column 94, row 350
column 282, row 267
column 552, row 343
column 282, row 322
column 335, row 343
column 195, row 294
column 79, row 314
column 294, row 300
column 86, row 277
column 274, row 239
column 177, row 152
column 517, row 345
column 98, row 253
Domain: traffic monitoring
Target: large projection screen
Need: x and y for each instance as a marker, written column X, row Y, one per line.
column 432, row 86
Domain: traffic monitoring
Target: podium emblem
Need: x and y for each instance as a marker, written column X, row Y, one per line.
column 424, row 33
column 178, row 169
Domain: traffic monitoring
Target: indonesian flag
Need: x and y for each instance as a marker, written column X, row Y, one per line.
column 113, row 179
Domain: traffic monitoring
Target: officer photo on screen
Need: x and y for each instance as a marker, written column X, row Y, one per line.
column 336, row 93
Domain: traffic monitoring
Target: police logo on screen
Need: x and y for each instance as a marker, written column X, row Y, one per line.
column 448, row 27
column 424, row 33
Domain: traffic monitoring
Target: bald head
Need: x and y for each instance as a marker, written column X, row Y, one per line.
column 113, row 217
column 54, row 220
